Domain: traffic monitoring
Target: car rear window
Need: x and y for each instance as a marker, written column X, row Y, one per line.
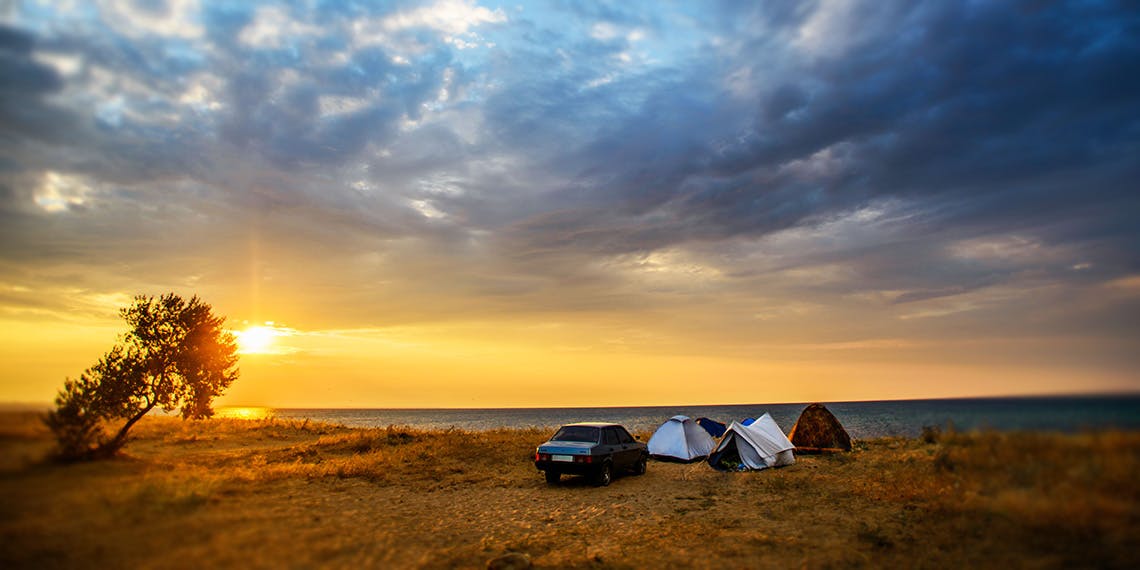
column 576, row 433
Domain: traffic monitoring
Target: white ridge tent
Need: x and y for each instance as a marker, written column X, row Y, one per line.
column 680, row 439
column 757, row 446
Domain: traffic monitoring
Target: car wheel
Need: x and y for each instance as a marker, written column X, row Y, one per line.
column 639, row 467
column 604, row 476
column 553, row 477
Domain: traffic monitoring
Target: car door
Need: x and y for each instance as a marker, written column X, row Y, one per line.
column 612, row 443
column 630, row 451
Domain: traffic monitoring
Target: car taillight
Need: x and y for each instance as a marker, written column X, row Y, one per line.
column 541, row 456
column 583, row 459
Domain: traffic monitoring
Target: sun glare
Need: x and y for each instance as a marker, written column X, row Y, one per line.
column 245, row 413
column 255, row 340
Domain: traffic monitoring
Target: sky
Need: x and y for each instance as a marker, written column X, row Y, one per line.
column 455, row 203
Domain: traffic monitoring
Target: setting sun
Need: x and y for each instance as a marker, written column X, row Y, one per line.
column 255, row 340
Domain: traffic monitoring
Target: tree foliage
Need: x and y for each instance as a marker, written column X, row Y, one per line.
column 176, row 355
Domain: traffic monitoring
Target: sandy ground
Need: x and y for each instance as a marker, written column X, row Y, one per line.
column 264, row 495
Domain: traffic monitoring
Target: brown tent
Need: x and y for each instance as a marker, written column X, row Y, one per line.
column 817, row 431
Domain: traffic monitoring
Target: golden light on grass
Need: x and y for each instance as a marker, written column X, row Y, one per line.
column 256, row 340
column 301, row 493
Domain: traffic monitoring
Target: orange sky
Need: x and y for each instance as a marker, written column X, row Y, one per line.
column 586, row 360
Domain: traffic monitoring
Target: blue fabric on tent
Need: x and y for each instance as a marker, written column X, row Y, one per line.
column 715, row 428
column 748, row 421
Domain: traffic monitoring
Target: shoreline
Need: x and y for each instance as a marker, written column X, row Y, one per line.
column 862, row 419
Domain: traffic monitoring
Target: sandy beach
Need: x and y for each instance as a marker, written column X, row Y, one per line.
column 280, row 494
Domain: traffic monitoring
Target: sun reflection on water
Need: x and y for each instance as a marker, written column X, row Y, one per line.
column 244, row 413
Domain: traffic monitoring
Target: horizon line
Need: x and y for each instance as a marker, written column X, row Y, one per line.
column 31, row 406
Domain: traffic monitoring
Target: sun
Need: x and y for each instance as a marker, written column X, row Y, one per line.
column 255, row 340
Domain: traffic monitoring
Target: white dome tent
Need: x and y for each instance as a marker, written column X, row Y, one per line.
column 759, row 445
column 680, row 439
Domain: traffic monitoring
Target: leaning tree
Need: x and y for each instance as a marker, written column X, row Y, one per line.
column 175, row 355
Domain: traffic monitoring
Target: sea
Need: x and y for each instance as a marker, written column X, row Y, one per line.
column 861, row 419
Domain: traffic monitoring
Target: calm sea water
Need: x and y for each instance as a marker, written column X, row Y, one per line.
column 862, row 419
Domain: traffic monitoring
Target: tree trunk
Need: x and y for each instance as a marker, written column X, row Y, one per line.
column 116, row 443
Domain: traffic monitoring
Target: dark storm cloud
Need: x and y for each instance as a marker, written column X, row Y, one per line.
column 24, row 87
column 984, row 118
column 19, row 73
column 976, row 102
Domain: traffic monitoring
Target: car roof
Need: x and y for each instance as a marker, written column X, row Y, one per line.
column 593, row 424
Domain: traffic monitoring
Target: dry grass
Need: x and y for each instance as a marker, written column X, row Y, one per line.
column 239, row 493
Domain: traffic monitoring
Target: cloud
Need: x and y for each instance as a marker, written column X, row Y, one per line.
column 452, row 17
column 972, row 134
column 578, row 156
column 272, row 28
column 25, row 84
column 138, row 18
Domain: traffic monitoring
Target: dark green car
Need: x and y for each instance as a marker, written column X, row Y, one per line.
column 595, row 450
